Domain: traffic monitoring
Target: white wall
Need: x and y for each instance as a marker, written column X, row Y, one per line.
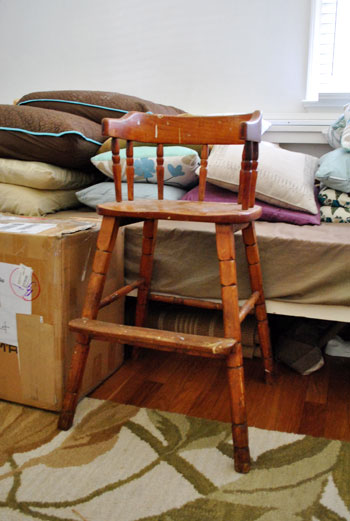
column 203, row 56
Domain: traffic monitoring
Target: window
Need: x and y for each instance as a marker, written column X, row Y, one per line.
column 328, row 73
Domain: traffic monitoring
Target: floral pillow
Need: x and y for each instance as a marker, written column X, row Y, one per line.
column 335, row 205
column 330, row 197
column 180, row 164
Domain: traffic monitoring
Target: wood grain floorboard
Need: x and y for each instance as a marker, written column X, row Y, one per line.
column 318, row 404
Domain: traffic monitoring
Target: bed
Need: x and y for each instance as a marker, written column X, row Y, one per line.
column 306, row 269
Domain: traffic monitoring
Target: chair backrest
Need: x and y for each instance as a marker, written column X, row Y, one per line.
column 240, row 129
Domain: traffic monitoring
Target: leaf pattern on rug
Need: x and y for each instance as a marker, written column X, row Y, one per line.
column 175, row 468
column 94, row 435
column 23, row 429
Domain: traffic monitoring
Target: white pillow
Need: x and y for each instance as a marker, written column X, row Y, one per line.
column 180, row 164
column 105, row 193
column 285, row 178
column 43, row 176
column 22, row 200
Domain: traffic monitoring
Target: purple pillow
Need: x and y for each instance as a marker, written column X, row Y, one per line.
column 270, row 213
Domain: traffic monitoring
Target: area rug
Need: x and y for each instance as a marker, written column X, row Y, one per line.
column 123, row 463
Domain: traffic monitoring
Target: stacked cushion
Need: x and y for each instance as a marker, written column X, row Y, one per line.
column 44, row 176
column 180, row 165
column 34, row 134
column 286, row 179
column 334, row 172
column 94, row 105
column 46, row 143
column 35, row 188
column 22, row 200
column 105, row 192
column 338, row 134
column 270, row 212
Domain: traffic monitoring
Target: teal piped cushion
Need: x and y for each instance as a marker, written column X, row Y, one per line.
column 334, row 170
column 49, row 136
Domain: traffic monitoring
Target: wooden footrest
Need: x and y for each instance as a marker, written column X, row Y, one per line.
column 153, row 338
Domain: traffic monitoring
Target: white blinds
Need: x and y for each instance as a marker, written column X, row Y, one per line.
column 328, row 69
column 327, row 31
column 333, row 46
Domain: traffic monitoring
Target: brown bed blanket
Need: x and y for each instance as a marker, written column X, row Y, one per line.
column 300, row 264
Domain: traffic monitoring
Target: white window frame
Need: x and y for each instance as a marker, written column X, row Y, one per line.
column 315, row 100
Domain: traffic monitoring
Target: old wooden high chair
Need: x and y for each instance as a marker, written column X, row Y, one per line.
column 228, row 218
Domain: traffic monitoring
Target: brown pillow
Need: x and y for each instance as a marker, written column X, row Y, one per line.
column 50, row 136
column 94, row 105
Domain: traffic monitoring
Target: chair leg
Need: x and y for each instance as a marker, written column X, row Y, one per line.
column 105, row 243
column 253, row 259
column 146, row 268
column 232, row 328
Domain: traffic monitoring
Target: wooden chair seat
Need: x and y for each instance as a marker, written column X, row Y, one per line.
column 244, row 129
column 199, row 211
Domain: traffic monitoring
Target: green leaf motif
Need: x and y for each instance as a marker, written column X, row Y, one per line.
column 24, row 429
column 208, row 510
column 341, row 469
column 97, row 433
column 173, row 427
column 291, row 453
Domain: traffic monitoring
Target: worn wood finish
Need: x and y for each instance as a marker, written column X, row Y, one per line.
column 160, row 171
column 248, row 306
column 117, row 169
column 228, row 219
column 198, row 211
column 152, row 338
column 130, row 173
column 180, row 130
column 105, row 244
column 169, row 299
column 253, row 259
column 203, row 172
column 146, row 267
column 232, row 327
column 248, row 175
column 125, row 290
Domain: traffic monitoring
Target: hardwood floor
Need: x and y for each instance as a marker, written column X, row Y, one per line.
column 318, row 404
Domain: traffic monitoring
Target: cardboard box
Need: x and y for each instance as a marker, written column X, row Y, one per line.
column 44, row 268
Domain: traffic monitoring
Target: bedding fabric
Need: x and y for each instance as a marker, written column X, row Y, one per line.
column 345, row 139
column 308, row 264
column 334, row 170
column 330, row 197
column 94, row 105
column 331, row 214
column 270, row 212
column 180, row 164
column 22, row 200
column 334, row 132
column 105, row 192
column 38, row 134
column 285, row 179
column 44, row 176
